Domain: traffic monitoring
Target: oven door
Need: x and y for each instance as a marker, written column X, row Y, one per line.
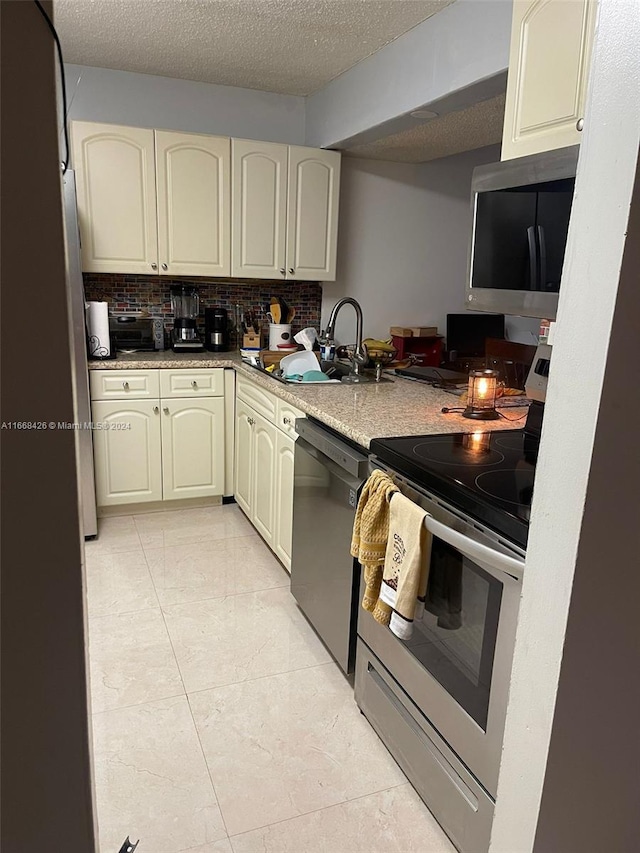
column 457, row 664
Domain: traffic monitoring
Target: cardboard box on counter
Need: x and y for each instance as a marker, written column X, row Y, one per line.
column 413, row 331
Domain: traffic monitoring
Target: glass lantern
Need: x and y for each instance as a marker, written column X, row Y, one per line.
column 481, row 395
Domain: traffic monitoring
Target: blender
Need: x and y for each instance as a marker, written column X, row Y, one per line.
column 185, row 304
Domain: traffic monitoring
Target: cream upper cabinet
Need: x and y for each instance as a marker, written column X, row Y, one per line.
column 127, row 451
column 312, row 213
column 193, row 175
column 192, row 448
column 116, row 190
column 259, row 214
column 548, row 73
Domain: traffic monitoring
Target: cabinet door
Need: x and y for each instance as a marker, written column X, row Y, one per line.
column 243, row 490
column 259, row 212
column 264, row 471
column 192, row 448
column 127, row 452
column 312, row 213
column 283, row 532
column 548, row 72
column 116, row 192
column 193, row 175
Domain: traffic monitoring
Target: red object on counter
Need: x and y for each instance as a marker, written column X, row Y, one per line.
column 427, row 352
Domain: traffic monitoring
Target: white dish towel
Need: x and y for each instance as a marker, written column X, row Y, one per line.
column 406, row 564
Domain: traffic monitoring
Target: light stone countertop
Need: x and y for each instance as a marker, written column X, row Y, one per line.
column 360, row 412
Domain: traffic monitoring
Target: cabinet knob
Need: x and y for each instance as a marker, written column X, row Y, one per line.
column 282, row 270
column 125, row 385
column 194, row 384
column 166, row 410
column 291, row 270
column 165, row 267
column 580, row 124
column 286, row 421
column 156, row 410
column 154, row 266
column 250, row 421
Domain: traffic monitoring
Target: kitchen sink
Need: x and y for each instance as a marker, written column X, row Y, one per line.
column 334, row 370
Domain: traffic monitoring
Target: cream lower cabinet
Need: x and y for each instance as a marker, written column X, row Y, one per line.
column 127, row 451
column 192, row 448
column 548, row 73
column 264, row 454
column 264, row 478
column 256, row 469
column 244, row 457
column 166, row 448
column 283, row 529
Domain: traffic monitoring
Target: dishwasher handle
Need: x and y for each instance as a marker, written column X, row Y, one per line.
column 490, row 559
column 353, row 481
column 356, row 462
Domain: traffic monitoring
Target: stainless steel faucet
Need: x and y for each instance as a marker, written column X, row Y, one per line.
column 360, row 355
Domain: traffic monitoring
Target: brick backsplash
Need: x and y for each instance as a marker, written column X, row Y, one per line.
column 129, row 294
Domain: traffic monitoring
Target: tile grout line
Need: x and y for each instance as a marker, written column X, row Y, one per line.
column 138, row 704
column 261, row 677
column 195, row 726
column 324, row 808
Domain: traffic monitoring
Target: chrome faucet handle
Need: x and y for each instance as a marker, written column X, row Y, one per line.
column 361, row 354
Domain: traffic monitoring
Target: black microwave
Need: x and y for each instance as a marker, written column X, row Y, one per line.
column 521, row 210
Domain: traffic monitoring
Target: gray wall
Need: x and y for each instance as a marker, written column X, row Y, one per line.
column 46, row 791
column 145, row 100
column 570, row 754
column 403, row 243
column 453, row 59
column 589, row 800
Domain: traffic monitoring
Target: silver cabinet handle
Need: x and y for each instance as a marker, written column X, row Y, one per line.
column 286, row 421
column 165, row 267
column 250, row 421
column 125, row 385
column 166, row 410
column 194, row 384
column 580, row 124
column 282, row 270
column 154, row 266
column 291, row 270
column 156, row 410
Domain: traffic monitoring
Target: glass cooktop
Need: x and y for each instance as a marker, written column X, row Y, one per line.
column 489, row 475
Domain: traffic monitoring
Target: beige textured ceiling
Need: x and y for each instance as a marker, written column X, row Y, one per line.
column 453, row 133
column 289, row 46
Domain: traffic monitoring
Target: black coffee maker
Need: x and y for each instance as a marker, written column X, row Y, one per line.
column 216, row 329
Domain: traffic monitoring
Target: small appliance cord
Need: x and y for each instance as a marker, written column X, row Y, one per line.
column 65, row 162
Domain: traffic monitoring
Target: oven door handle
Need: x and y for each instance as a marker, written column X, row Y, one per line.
column 489, row 557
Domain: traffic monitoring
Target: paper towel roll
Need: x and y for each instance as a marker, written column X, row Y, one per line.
column 99, row 343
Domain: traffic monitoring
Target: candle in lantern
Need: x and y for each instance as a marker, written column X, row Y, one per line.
column 481, row 395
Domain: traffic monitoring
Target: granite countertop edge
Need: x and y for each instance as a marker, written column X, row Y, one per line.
column 359, row 412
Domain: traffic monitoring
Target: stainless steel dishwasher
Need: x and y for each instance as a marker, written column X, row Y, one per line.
column 328, row 476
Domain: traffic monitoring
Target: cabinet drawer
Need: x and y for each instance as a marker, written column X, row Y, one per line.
column 286, row 418
column 263, row 402
column 124, row 384
column 192, row 383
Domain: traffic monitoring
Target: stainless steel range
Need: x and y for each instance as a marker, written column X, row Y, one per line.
column 439, row 700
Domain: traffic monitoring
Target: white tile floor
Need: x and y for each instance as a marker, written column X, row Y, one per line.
column 220, row 722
